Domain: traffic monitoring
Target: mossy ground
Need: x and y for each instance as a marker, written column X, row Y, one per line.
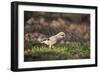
column 59, row 52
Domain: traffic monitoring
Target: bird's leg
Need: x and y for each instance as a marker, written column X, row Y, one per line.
column 49, row 45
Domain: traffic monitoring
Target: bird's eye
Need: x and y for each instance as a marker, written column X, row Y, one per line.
column 62, row 35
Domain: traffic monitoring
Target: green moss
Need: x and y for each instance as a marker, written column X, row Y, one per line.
column 60, row 52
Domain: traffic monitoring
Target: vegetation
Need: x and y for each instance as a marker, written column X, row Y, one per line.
column 60, row 52
column 39, row 26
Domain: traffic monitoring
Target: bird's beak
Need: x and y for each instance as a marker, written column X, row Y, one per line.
column 64, row 37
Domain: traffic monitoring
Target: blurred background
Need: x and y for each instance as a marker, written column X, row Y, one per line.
column 41, row 25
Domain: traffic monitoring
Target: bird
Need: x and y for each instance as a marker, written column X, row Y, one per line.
column 54, row 39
